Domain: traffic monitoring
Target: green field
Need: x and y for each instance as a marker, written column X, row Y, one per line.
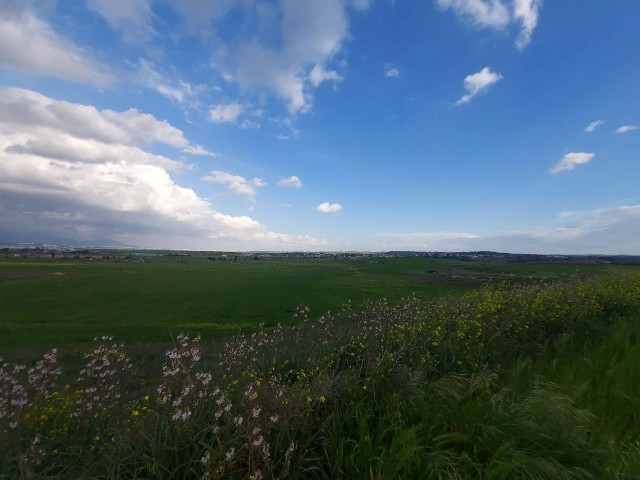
column 65, row 303
column 519, row 378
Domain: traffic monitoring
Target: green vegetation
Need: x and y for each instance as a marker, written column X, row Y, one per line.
column 67, row 303
column 527, row 380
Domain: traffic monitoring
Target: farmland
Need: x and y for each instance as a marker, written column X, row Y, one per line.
column 493, row 370
column 67, row 303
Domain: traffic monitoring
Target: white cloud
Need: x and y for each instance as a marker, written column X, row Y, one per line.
column 133, row 18
column 318, row 75
column 150, row 77
column 483, row 13
column 73, row 170
column 292, row 182
column 391, row 72
column 627, row 128
column 603, row 230
column 327, row 207
column 28, row 43
column 298, row 37
column 131, row 127
column 198, row 150
column 570, row 160
column 526, row 11
column 225, row 113
column 235, row 183
column 282, row 137
column 498, row 14
column 593, row 125
column 361, row 5
column 477, row 83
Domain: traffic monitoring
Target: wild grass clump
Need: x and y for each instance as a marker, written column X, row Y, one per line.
column 414, row 390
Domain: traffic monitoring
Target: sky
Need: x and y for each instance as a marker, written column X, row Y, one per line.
column 376, row 125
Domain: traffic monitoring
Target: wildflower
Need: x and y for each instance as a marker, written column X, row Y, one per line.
column 135, row 413
column 322, row 399
column 274, row 418
column 255, row 412
column 230, row 453
column 258, row 441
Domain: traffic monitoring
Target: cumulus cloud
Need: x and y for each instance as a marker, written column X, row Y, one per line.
column 73, row 170
column 627, row 128
column 292, row 182
column 289, row 56
column 133, row 18
column 225, row 113
column 478, row 83
column 593, row 125
column 327, row 207
column 571, row 160
column 235, row 183
column 498, row 14
column 30, row 44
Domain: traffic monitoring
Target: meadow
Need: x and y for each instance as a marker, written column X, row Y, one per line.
column 493, row 370
column 67, row 303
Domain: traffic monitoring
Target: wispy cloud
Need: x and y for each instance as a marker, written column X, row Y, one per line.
column 292, row 182
column 235, row 183
column 225, row 113
column 627, row 128
column 571, row 160
column 498, row 14
column 478, row 83
column 149, row 76
column 492, row 13
column 526, row 12
column 593, row 125
column 30, row 44
column 133, row 19
column 327, row 207
column 198, row 150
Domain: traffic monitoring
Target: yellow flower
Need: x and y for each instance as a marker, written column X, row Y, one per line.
column 146, row 398
column 322, row 399
column 135, row 413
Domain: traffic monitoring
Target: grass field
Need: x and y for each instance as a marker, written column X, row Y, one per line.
column 67, row 303
column 524, row 380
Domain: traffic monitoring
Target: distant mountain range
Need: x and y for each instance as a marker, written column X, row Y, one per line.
column 39, row 238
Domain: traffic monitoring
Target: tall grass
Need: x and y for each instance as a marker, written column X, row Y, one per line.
column 416, row 390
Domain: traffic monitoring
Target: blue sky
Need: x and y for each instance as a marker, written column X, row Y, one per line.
column 509, row 125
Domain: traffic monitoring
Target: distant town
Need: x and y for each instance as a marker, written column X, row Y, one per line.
column 124, row 254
